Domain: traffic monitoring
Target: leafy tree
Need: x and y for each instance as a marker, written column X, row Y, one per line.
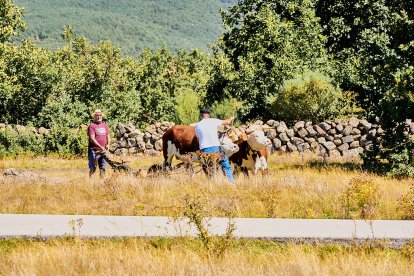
column 373, row 41
column 10, row 20
column 187, row 108
column 268, row 42
column 26, row 79
column 367, row 40
column 226, row 108
column 91, row 76
column 395, row 156
column 162, row 77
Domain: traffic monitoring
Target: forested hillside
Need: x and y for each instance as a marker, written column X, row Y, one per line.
column 284, row 59
column 133, row 25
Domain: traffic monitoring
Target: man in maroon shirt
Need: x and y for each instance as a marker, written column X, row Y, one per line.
column 99, row 141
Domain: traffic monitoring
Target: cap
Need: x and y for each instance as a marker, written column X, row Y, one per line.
column 204, row 111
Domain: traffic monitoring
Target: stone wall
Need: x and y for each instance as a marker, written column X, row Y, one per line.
column 333, row 138
column 131, row 140
column 19, row 129
column 329, row 138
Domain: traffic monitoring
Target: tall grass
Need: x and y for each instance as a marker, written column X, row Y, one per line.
column 296, row 188
column 187, row 256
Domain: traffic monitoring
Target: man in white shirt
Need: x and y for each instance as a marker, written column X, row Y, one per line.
column 206, row 132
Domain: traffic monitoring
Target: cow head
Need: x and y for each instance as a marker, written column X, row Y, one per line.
column 257, row 140
column 228, row 146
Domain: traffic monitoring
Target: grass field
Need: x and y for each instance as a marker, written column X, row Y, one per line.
column 295, row 188
column 187, row 257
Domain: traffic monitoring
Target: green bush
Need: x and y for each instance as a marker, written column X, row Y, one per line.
column 226, row 108
column 61, row 140
column 66, row 142
column 14, row 144
column 311, row 96
column 400, row 165
column 187, row 108
column 64, row 111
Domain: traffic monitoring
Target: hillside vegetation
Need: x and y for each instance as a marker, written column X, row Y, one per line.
column 282, row 59
column 133, row 25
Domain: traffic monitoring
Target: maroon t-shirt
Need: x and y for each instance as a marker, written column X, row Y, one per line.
column 100, row 130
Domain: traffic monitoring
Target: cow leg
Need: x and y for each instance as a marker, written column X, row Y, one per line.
column 244, row 170
column 240, row 169
column 263, row 165
column 236, row 170
column 171, row 152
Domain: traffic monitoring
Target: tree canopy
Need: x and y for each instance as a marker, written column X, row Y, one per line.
column 279, row 59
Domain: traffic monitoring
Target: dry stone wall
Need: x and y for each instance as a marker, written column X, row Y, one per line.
column 19, row 129
column 329, row 138
column 131, row 140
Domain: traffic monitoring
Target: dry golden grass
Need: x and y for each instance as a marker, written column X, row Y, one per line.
column 186, row 257
column 297, row 188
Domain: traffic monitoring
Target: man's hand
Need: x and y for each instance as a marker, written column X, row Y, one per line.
column 228, row 121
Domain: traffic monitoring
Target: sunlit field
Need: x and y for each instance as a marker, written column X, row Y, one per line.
column 297, row 187
column 184, row 256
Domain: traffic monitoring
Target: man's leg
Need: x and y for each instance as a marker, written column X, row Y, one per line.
column 91, row 162
column 225, row 166
column 102, row 165
column 210, row 167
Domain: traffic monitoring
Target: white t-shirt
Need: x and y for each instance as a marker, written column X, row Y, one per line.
column 206, row 132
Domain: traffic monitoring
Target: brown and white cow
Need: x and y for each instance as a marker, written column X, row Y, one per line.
column 179, row 140
column 252, row 154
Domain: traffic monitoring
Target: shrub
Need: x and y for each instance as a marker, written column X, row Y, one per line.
column 400, row 165
column 361, row 198
column 311, row 96
column 187, row 107
column 195, row 212
column 14, row 144
column 226, row 108
column 61, row 109
column 66, row 142
column 406, row 204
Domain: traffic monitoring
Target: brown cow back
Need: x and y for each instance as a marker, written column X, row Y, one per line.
column 183, row 138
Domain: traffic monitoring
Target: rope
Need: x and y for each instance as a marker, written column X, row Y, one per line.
column 118, row 166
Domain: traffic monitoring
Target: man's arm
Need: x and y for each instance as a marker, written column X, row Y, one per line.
column 108, row 140
column 228, row 121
